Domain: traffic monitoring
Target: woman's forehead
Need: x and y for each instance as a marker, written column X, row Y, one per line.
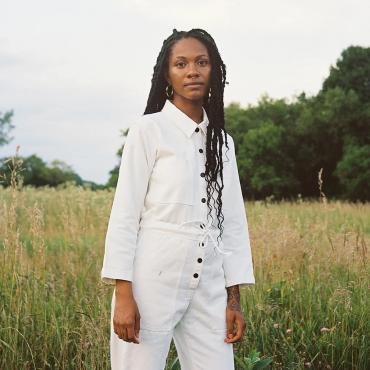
column 188, row 48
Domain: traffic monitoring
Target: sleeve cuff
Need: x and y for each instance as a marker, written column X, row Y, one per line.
column 109, row 277
column 240, row 282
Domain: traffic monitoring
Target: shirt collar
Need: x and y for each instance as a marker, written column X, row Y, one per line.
column 183, row 121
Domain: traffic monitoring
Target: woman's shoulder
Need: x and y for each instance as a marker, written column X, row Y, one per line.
column 148, row 121
column 146, row 124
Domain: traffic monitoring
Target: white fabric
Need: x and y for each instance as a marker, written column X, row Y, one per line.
column 159, row 238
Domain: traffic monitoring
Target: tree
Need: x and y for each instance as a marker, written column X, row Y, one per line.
column 112, row 181
column 353, row 171
column 5, row 127
column 36, row 172
column 266, row 168
column 351, row 72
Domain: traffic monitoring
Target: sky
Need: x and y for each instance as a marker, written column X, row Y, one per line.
column 77, row 72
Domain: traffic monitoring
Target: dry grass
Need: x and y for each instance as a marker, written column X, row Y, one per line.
column 309, row 307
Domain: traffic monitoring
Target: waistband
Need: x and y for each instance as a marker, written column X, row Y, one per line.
column 196, row 229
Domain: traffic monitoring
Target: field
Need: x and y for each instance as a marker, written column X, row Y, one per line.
column 308, row 309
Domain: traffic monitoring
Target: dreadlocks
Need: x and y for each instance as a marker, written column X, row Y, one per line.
column 213, row 105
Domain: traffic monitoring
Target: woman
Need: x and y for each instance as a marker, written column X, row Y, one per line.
column 177, row 245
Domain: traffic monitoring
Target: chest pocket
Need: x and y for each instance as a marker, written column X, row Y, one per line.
column 172, row 177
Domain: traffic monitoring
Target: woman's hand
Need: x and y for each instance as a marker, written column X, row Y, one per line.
column 234, row 316
column 126, row 319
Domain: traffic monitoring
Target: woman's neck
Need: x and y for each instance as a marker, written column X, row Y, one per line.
column 193, row 109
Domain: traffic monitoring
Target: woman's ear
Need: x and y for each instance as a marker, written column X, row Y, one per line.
column 168, row 80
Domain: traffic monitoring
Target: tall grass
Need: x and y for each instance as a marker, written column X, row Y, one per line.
column 308, row 309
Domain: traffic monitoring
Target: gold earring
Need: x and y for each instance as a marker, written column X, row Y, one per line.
column 169, row 96
column 209, row 94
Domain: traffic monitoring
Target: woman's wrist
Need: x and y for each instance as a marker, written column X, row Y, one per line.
column 233, row 298
column 123, row 289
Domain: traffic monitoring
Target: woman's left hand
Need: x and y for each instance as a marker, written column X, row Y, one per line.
column 234, row 316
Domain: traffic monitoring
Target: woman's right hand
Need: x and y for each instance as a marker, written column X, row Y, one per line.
column 126, row 319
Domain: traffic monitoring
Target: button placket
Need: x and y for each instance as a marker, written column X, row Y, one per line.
column 198, row 266
column 202, row 245
column 198, row 260
column 202, row 170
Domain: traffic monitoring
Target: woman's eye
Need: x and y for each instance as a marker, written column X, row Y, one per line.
column 182, row 64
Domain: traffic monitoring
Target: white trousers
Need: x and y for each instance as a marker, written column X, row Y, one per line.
column 179, row 287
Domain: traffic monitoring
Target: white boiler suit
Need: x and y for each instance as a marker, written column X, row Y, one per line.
column 159, row 237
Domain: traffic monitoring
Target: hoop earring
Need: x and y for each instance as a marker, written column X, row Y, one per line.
column 169, row 96
column 209, row 95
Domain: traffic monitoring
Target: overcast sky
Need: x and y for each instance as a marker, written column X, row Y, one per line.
column 76, row 72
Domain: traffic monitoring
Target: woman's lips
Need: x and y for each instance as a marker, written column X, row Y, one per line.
column 194, row 85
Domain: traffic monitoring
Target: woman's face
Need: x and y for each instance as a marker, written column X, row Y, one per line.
column 189, row 62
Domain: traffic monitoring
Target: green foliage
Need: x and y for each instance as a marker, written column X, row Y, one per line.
column 253, row 361
column 175, row 364
column 282, row 146
column 353, row 171
column 267, row 168
column 351, row 72
column 34, row 171
column 113, row 178
column 5, row 127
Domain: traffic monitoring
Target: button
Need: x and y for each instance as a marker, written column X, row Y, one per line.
column 202, row 174
column 195, row 275
column 201, row 244
column 197, row 129
column 203, row 200
column 200, row 150
column 201, row 226
column 199, row 260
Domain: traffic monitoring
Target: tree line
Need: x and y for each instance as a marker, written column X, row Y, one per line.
column 282, row 146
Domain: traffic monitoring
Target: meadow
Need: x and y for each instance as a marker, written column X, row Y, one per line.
column 309, row 307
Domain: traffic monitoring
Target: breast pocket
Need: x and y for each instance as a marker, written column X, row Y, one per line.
column 172, row 179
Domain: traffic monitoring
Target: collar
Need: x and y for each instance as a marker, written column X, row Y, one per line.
column 183, row 121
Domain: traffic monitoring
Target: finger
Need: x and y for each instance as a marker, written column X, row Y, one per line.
column 124, row 334
column 118, row 331
column 137, row 326
column 230, row 331
column 239, row 331
column 132, row 335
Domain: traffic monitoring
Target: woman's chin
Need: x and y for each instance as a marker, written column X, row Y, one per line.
column 195, row 96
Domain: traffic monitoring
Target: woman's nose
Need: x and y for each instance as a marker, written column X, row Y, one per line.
column 193, row 70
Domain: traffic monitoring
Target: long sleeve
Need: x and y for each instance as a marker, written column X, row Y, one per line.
column 238, row 266
column 137, row 160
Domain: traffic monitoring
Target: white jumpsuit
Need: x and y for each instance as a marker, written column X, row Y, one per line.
column 159, row 237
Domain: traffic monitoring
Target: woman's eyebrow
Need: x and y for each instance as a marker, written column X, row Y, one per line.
column 198, row 56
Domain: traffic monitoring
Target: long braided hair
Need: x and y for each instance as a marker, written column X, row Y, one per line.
column 213, row 105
